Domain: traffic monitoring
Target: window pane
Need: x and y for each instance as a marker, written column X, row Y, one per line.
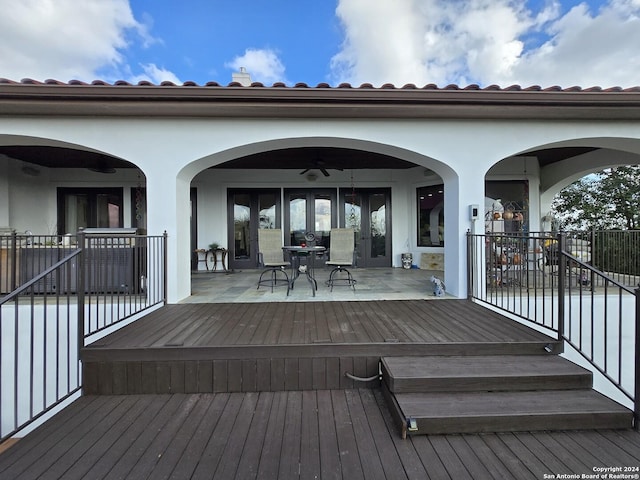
column 322, row 215
column 378, row 222
column 267, row 207
column 352, row 211
column 107, row 211
column 241, row 225
column 76, row 212
column 297, row 218
column 431, row 216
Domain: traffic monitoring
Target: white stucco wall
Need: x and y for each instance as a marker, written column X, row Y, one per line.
column 171, row 152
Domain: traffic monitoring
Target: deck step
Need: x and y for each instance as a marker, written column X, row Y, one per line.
column 483, row 412
column 495, row 393
column 483, row 373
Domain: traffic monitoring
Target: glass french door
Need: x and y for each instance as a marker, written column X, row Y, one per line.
column 368, row 211
column 249, row 211
column 309, row 210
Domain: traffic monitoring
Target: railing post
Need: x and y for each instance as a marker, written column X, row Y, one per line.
column 14, row 262
column 469, row 266
column 165, row 275
column 80, row 287
column 594, row 264
column 636, row 397
column 562, row 244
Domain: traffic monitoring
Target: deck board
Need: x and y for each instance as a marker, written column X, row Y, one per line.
column 305, row 323
column 309, row 439
column 270, row 454
column 291, row 440
column 249, row 460
column 339, row 434
column 290, row 345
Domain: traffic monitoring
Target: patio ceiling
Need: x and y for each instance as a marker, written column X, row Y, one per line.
column 292, row 158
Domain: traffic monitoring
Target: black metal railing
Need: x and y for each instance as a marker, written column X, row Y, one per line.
column 64, row 290
column 550, row 281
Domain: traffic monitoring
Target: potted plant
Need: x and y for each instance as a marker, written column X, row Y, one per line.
column 214, row 246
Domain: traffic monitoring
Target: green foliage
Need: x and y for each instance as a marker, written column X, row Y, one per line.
column 604, row 201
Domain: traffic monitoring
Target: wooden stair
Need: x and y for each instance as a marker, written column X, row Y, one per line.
column 495, row 393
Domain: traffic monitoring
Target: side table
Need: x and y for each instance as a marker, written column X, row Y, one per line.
column 218, row 256
column 201, row 257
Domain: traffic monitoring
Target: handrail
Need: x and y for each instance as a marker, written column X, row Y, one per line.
column 566, row 296
column 23, row 288
column 578, row 348
column 99, row 282
column 597, row 272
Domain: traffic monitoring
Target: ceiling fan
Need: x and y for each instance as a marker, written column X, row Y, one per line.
column 101, row 166
column 319, row 164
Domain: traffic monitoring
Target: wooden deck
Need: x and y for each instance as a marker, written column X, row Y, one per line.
column 311, row 323
column 328, row 434
column 200, row 348
column 258, row 391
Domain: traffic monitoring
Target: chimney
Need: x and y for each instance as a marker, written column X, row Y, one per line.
column 242, row 77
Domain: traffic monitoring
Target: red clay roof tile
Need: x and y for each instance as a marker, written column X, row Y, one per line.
column 324, row 85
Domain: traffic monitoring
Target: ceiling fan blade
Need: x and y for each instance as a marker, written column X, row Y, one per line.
column 324, row 172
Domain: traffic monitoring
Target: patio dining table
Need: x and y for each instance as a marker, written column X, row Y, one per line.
column 296, row 253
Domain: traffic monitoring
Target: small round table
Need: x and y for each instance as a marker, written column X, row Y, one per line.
column 295, row 252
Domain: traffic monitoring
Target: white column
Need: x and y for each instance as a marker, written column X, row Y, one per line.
column 168, row 209
column 460, row 192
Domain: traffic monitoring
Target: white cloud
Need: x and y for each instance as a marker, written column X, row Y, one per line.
column 156, row 75
column 487, row 41
column 66, row 39
column 587, row 49
column 263, row 65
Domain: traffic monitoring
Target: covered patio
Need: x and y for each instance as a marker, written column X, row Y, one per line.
column 372, row 284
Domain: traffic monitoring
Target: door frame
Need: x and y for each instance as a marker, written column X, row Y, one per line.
column 310, row 194
column 193, row 198
column 251, row 261
column 364, row 258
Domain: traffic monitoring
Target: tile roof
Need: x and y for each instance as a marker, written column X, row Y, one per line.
column 121, row 98
column 302, row 85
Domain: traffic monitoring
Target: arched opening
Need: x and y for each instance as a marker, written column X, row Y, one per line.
column 527, row 182
column 55, row 188
column 372, row 188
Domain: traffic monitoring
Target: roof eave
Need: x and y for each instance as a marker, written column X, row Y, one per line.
column 276, row 102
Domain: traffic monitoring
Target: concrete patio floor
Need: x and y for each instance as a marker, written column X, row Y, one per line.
column 372, row 284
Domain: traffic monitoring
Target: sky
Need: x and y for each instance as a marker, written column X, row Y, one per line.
column 486, row 42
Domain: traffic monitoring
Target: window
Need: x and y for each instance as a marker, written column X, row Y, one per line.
column 430, row 201
column 507, row 196
column 89, row 208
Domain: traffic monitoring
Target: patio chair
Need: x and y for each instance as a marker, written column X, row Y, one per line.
column 271, row 257
column 341, row 255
